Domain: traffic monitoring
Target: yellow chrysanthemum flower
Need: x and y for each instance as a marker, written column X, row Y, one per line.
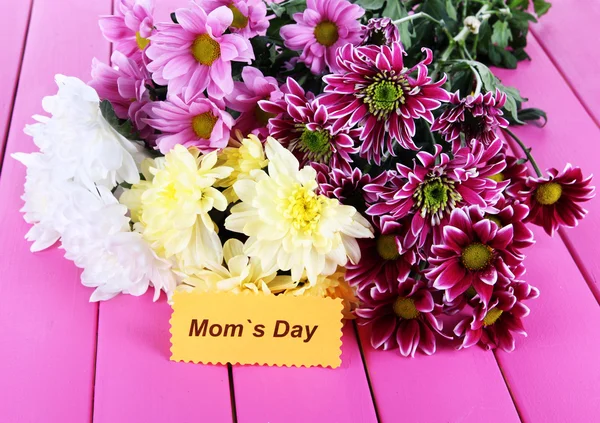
column 132, row 198
column 243, row 160
column 240, row 274
column 290, row 226
column 172, row 206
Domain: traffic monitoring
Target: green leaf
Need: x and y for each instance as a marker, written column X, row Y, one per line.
column 501, row 35
column 451, row 10
column 533, row 114
column 541, row 7
column 371, row 4
column 123, row 127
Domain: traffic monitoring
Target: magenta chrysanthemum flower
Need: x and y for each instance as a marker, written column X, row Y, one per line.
column 304, row 127
column 245, row 97
column 199, row 123
column 512, row 212
column 493, row 326
column 196, row 54
column 427, row 193
column 515, row 174
column 375, row 90
column 474, row 252
column 124, row 85
column 403, row 317
column 130, row 28
column 477, row 117
column 554, row 200
column 249, row 16
column 381, row 31
column 347, row 185
column 323, row 27
column 383, row 261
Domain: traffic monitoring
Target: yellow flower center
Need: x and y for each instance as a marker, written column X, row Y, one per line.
column 141, row 41
column 303, row 207
column 203, row 124
column 491, row 316
column 548, row 193
column 476, row 256
column 239, row 20
column 326, row 33
column 261, row 116
column 387, row 247
column 494, row 219
column 405, row 308
column 498, row 177
column 206, row 50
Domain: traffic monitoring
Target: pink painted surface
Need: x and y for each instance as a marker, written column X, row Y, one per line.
column 135, row 381
column 450, row 386
column 47, row 326
column 569, row 34
column 13, row 29
column 291, row 394
column 570, row 136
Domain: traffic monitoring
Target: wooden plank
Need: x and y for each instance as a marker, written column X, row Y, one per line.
column 47, row 326
column 450, row 386
column 135, row 381
column 569, row 34
column 291, row 394
column 570, row 136
column 15, row 30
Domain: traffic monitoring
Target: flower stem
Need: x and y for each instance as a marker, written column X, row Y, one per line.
column 526, row 150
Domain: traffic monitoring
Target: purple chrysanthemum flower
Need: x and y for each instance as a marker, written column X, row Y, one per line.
column 473, row 252
column 249, row 16
column 374, row 89
column 404, row 317
column 381, row 31
column 304, row 127
column 477, row 117
column 427, row 193
column 554, row 199
column 493, row 326
column 319, row 31
column 383, row 261
column 346, row 185
column 196, row 54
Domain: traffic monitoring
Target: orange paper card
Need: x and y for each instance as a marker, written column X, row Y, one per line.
column 256, row 329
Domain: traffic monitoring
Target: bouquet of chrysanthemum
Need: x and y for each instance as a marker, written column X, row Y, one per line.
column 306, row 147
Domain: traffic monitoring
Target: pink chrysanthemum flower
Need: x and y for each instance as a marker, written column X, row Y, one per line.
column 383, row 261
column 515, row 174
column 304, row 127
column 199, row 123
column 474, row 252
column 196, row 54
column 381, row 31
column 493, row 326
column 246, row 96
column 427, row 193
column 323, row 27
column 124, row 85
column 512, row 212
column 554, row 200
column 477, row 117
column 130, row 28
column 249, row 16
column 404, row 317
column 375, row 90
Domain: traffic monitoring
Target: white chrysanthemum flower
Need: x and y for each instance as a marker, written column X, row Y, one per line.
column 113, row 258
column 289, row 226
column 79, row 142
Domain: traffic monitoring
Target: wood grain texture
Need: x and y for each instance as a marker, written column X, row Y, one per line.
column 292, row 394
column 570, row 136
column 13, row 32
column 47, row 326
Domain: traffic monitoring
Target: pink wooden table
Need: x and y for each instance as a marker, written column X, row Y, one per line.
column 63, row 359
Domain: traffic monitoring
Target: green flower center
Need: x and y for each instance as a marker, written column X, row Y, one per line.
column 494, row 219
column 203, row 124
column 476, row 256
column 141, row 41
column 239, row 20
column 387, row 247
column 326, row 33
column 205, row 50
column 491, row 316
column 316, row 144
column 303, row 207
column 385, row 97
column 435, row 197
column 548, row 193
column 405, row 308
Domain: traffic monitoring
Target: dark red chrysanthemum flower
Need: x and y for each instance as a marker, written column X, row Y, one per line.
column 555, row 200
